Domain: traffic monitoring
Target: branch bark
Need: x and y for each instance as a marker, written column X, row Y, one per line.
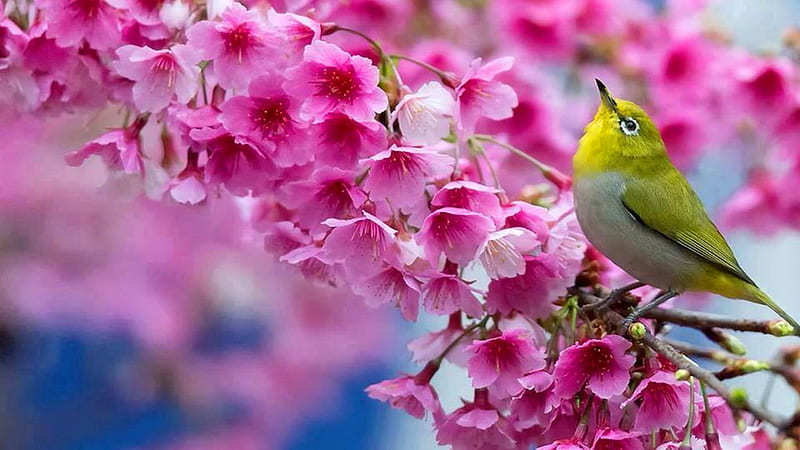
column 707, row 320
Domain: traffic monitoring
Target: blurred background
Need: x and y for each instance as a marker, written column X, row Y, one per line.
column 132, row 323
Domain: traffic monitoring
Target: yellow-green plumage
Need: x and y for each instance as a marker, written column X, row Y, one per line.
column 638, row 209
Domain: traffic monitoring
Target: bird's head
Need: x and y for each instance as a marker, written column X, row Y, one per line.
column 622, row 128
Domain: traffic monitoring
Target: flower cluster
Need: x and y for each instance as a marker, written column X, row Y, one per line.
column 403, row 178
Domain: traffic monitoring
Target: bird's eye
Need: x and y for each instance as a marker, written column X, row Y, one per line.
column 629, row 126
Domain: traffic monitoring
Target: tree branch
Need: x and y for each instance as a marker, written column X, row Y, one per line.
column 708, row 320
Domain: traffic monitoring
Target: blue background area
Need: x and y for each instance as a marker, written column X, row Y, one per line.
column 59, row 391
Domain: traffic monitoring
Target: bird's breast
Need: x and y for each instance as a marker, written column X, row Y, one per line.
column 645, row 254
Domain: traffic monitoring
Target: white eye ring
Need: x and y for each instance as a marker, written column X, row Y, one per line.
column 629, row 126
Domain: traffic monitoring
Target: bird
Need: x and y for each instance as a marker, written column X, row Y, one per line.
column 635, row 207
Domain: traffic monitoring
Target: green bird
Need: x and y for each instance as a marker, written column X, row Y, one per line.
column 637, row 208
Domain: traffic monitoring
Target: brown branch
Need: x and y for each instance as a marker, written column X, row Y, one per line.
column 707, row 320
column 683, row 362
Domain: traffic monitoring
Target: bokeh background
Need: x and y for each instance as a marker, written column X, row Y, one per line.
column 131, row 323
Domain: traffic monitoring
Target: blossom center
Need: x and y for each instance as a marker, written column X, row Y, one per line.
column 239, row 40
column 338, row 84
column 768, row 84
column 597, row 360
column 165, row 64
column 271, row 116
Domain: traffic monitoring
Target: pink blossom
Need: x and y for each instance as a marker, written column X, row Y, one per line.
column 754, row 205
column 269, row 117
column 535, row 405
column 502, row 255
column 361, row 242
column 239, row 45
column 237, row 163
column 297, row 31
column 429, row 346
column 480, row 95
column 330, row 193
column 472, row 196
column 531, row 293
column 545, row 29
column 664, row 402
column 599, row 363
column 146, row 12
column 565, row 444
column 446, row 294
column 613, row 439
column 531, row 217
column 18, row 87
column 424, row 117
column 342, row 141
column 159, row 75
column 408, row 394
column 70, row 21
column 764, row 85
column 471, row 427
column 188, row 188
column 392, row 284
column 500, row 361
column 311, row 261
column 458, row 233
column 400, row 173
column 118, row 148
column 174, row 14
column 331, row 80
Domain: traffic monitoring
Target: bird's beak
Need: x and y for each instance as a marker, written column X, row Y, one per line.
column 605, row 96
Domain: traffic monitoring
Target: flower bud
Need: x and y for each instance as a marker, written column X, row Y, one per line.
column 637, row 330
column 732, row 344
column 780, row 328
column 738, row 397
column 682, row 374
column 752, row 365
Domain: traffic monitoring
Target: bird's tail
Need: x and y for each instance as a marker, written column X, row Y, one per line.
column 760, row 297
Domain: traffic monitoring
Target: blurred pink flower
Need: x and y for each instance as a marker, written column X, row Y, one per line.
column 601, row 364
column 159, row 75
column 458, row 233
column 118, row 148
column 239, row 45
column 499, row 362
column 407, row 393
column 331, row 80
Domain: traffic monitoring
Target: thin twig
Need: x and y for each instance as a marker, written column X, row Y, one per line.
column 707, row 320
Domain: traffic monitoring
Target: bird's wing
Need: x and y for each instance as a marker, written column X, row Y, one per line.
column 685, row 222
